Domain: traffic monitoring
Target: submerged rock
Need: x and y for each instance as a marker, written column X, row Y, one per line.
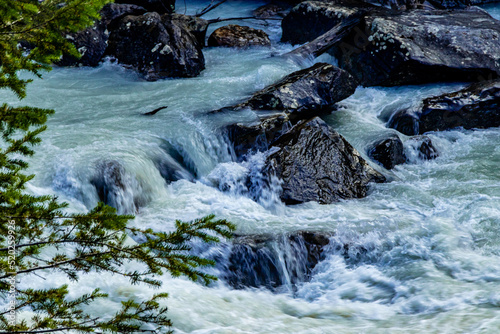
column 175, row 164
column 116, row 188
column 156, row 47
column 238, row 36
column 414, row 47
column 425, row 147
column 315, row 163
column 389, row 152
column 273, row 261
column 477, row 106
column 257, row 137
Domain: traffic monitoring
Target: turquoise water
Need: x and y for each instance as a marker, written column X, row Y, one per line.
column 432, row 235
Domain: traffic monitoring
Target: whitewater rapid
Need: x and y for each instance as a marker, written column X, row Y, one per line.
column 424, row 253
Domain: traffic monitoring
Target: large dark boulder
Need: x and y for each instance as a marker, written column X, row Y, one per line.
column 195, row 25
column 300, row 95
column 273, row 261
column 307, row 92
column 159, row 6
column 156, row 47
column 93, row 41
column 315, row 163
column 414, row 47
column 389, row 152
column 234, row 35
column 477, row 106
column 311, row 19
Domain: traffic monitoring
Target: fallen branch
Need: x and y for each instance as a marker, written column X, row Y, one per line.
column 151, row 113
column 210, row 7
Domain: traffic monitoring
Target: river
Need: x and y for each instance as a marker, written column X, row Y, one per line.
column 424, row 252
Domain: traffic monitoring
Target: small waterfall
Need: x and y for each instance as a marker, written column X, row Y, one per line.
column 118, row 188
column 276, row 262
column 248, row 179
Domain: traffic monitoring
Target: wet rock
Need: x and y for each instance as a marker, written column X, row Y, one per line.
column 93, row 41
column 115, row 11
column 311, row 91
column 454, row 4
column 156, row 48
column 238, row 36
column 273, row 261
column 116, row 188
column 159, row 6
column 311, row 19
column 426, row 149
column 414, row 47
column 257, row 137
column 405, row 121
column 477, row 106
column 315, row 163
column 302, row 94
column 389, row 152
column 175, row 165
column 195, row 25
column 271, row 10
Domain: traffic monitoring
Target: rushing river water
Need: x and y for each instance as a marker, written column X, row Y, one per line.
column 425, row 248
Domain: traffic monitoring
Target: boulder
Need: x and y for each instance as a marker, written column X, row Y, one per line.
column 159, row 6
column 300, row 95
column 260, row 136
column 315, row 163
column 454, row 4
column 93, row 41
column 415, row 47
column 311, row 19
column 308, row 92
column 273, row 261
column 155, row 47
column 195, row 25
column 426, row 149
column 238, row 36
column 477, row 106
column 271, row 10
column 389, row 152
